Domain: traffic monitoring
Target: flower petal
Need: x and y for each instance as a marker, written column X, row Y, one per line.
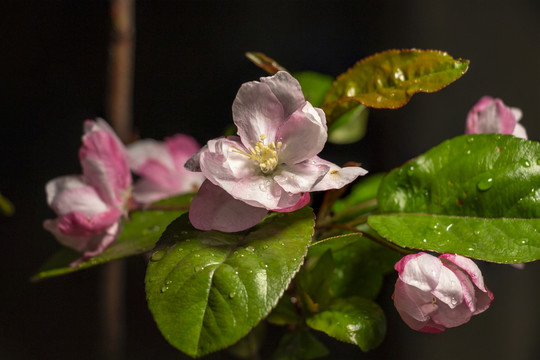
column 336, row 177
column 304, row 200
column 88, row 245
column 105, row 163
column 256, row 111
column 214, row 209
column 79, row 224
column 287, row 90
column 302, row 135
column 142, row 151
column 420, row 270
column 449, row 290
column 72, row 193
column 302, row 177
column 181, row 147
column 490, row 115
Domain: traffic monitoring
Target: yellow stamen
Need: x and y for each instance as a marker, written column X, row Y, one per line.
column 265, row 156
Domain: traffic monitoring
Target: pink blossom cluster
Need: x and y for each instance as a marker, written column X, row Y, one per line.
column 491, row 115
column 90, row 206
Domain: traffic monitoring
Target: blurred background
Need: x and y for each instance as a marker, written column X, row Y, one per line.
column 189, row 65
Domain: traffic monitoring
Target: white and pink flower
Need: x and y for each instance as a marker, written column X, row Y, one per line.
column 90, row 206
column 271, row 165
column 432, row 294
column 491, row 115
column 161, row 168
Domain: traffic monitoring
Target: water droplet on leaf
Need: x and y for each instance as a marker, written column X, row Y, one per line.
column 524, row 163
column 485, row 184
column 164, row 289
column 158, row 255
column 232, row 294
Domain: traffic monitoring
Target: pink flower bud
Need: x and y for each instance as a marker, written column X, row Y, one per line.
column 491, row 115
column 432, row 294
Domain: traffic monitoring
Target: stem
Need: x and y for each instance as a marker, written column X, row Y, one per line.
column 373, row 238
column 119, row 103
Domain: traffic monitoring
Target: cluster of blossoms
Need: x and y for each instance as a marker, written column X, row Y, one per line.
column 272, row 165
column 90, row 206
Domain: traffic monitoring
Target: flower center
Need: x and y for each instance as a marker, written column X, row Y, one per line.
column 264, row 156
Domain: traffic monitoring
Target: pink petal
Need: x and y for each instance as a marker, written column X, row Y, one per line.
column 297, row 178
column 420, row 270
column 451, row 317
column 287, row 89
column 142, row 151
column 302, row 135
column 414, row 306
column 469, row 267
column 80, row 224
column 215, row 209
column 72, row 193
column 304, row 200
column 105, row 163
column 449, row 289
column 520, row 132
column 88, row 245
column 181, row 147
column 147, row 192
column 256, row 111
column 490, row 115
column 336, row 177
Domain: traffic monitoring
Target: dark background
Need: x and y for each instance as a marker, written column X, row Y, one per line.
column 189, row 64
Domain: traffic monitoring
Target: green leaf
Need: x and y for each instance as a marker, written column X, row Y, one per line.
column 316, row 279
column 360, row 200
column 206, row 290
column 349, row 128
column 314, row 86
column 359, row 264
column 299, row 345
column 389, row 79
column 354, row 320
column 475, row 195
column 138, row 236
column 6, row 207
column 285, row 312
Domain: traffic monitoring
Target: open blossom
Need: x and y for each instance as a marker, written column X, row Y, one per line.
column 271, row 165
column 89, row 206
column 432, row 294
column 161, row 168
column 491, row 115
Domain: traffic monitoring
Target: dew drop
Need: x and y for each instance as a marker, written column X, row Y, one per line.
column 236, row 272
column 470, row 140
column 449, row 227
column 524, row 163
column 232, row 294
column 425, row 240
column 485, row 184
column 168, row 282
column 410, row 170
column 183, row 232
column 250, row 248
column 197, row 255
column 158, row 255
column 468, row 152
column 476, row 232
column 453, row 301
column 179, row 249
column 164, row 289
column 282, row 243
column 265, row 247
column 471, row 249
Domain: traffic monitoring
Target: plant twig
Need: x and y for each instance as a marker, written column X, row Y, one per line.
column 119, row 106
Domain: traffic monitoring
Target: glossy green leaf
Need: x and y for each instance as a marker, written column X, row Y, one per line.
column 299, row 345
column 389, row 79
column 138, row 236
column 476, row 195
column 6, row 207
column 206, row 290
column 314, row 86
column 350, row 127
column 360, row 200
column 359, row 264
column 354, row 320
column 315, row 279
